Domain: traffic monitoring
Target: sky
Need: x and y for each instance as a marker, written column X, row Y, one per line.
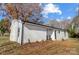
column 1, row 17
column 59, row 11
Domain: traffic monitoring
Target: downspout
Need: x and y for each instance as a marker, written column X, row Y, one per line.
column 55, row 35
column 22, row 36
column 22, row 33
column 47, row 34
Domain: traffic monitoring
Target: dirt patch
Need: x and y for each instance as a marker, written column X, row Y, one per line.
column 49, row 48
column 69, row 47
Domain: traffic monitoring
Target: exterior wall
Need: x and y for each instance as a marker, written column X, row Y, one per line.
column 31, row 32
column 66, row 36
column 14, row 31
column 34, row 33
column 53, row 35
column 19, row 32
column 60, row 34
column 49, row 33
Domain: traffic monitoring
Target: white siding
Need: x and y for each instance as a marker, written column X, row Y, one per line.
column 53, row 35
column 66, row 37
column 60, row 34
column 49, row 33
column 19, row 32
column 14, row 30
column 34, row 33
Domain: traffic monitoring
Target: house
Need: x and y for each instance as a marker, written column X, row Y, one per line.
column 31, row 32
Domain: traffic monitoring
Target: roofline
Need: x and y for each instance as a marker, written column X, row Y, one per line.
column 45, row 25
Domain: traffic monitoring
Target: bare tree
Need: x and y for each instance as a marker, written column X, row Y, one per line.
column 25, row 12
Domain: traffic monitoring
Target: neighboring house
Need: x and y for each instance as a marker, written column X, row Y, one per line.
column 32, row 32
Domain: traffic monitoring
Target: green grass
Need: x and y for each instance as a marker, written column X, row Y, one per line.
column 4, row 39
column 7, row 47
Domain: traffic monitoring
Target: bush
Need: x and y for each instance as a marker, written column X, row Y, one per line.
column 2, row 30
column 72, row 33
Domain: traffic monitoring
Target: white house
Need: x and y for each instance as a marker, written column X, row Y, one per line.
column 31, row 32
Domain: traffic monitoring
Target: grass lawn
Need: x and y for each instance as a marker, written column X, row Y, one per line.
column 68, row 47
column 3, row 39
column 7, row 47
